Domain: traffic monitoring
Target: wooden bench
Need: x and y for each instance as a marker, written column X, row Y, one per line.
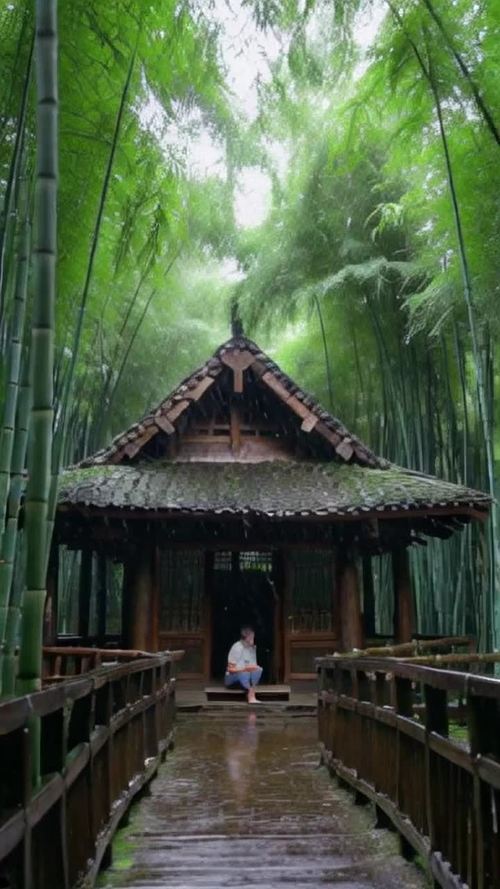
column 263, row 692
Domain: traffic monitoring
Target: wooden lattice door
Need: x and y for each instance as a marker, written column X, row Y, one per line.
column 182, row 608
column 310, row 610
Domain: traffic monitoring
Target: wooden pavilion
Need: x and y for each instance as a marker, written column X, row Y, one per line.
column 240, row 499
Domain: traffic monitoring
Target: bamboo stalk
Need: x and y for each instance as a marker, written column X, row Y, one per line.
column 328, row 370
column 15, row 348
column 12, row 461
column 97, row 230
column 9, row 592
column 490, row 611
column 437, row 660
column 417, row 647
column 461, row 64
column 12, row 176
column 42, row 353
column 69, row 376
column 491, row 608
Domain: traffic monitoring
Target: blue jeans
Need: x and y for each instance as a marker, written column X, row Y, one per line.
column 243, row 678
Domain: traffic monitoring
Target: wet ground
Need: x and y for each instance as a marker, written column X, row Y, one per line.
column 241, row 802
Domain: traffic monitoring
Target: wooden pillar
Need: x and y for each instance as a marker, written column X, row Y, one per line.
column 207, row 628
column 138, row 600
column 102, row 599
column 288, row 579
column 51, row 602
column 351, row 621
column 403, row 599
column 368, row 598
column 84, row 593
column 277, row 579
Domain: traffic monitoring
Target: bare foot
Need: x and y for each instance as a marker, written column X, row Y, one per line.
column 251, row 698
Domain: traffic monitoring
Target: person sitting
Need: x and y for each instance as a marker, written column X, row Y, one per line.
column 242, row 667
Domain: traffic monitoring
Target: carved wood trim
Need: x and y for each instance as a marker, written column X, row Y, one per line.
column 238, row 362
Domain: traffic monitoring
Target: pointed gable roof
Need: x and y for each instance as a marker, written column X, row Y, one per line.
column 347, row 481
column 240, row 354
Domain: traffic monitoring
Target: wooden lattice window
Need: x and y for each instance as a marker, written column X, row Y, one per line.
column 256, row 561
column 245, row 561
column 311, row 592
column 223, row 561
column 181, row 590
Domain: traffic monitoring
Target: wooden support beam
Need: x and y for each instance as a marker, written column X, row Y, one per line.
column 403, row 598
column 351, row 621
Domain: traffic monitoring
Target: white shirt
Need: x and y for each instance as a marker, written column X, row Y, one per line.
column 242, row 655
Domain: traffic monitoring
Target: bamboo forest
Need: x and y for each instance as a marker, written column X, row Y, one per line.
column 249, row 291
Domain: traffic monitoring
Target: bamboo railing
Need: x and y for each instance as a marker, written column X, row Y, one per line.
column 386, row 729
column 103, row 734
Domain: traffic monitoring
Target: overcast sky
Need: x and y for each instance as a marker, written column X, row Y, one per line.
column 247, row 54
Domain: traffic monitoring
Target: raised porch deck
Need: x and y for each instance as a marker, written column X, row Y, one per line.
column 191, row 695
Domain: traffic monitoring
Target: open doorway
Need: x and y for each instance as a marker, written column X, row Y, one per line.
column 243, row 591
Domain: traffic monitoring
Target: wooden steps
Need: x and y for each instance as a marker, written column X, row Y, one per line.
column 263, row 692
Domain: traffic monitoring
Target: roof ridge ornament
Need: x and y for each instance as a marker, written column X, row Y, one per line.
column 236, row 322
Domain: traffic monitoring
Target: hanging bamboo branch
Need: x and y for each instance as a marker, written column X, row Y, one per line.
column 42, row 350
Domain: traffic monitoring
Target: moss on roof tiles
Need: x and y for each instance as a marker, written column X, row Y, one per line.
column 271, row 488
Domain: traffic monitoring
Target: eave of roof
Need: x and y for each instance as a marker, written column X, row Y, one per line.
column 281, row 489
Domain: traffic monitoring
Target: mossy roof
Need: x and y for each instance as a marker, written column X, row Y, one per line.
column 274, row 489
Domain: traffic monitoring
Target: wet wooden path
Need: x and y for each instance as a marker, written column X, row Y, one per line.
column 241, row 802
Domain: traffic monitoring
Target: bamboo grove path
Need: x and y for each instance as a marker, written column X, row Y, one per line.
column 241, row 801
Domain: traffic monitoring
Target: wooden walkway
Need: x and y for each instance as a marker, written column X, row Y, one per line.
column 241, row 802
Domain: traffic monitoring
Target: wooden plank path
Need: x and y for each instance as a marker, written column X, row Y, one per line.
column 241, row 802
